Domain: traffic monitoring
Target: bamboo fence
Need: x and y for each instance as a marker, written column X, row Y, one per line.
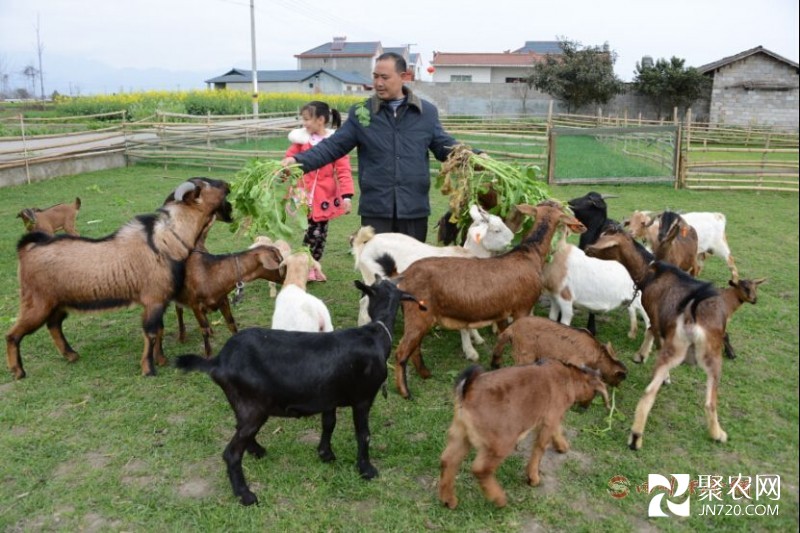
column 709, row 156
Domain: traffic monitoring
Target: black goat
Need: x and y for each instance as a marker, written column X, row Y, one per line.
column 592, row 211
column 269, row 372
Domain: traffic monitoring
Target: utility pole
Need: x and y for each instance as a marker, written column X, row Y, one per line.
column 253, row 54
column 39, row 50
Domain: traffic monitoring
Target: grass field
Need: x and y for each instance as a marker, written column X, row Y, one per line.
column 94, row 446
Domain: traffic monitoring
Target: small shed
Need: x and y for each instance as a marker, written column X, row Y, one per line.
column 756, row 87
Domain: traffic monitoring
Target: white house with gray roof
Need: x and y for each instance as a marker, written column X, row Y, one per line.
column 311, row 81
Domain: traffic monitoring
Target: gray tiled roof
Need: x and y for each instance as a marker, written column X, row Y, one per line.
column 710, row 67
column 540, row 47
column 347, row 49
column 240, row 75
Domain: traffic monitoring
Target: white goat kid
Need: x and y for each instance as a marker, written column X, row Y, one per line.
column 295, row 309
column 573, row 279
column 487, row 236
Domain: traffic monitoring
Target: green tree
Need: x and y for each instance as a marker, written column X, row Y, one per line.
column 579, row 76
column 670, row 84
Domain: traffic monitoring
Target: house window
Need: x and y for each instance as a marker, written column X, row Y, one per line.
column 461, row 77
column 515, row 80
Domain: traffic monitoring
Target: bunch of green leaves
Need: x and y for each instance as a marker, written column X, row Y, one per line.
column 269, row 199
column 466, row 175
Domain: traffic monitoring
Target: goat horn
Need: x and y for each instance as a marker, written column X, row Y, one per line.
column 182, row 189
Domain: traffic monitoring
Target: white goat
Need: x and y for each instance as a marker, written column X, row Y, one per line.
column 573, row 279
column 487, row 236
column 710, row 228
column 295, row 309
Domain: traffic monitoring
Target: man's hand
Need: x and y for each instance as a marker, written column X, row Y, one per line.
column 286, row 161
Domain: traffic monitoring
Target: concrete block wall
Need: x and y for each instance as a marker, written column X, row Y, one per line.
column 762, row 104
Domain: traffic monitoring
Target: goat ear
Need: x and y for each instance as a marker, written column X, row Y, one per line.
column 365, row 289
column 759, row 281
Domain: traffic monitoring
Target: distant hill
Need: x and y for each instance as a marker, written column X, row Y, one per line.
column 75, row 76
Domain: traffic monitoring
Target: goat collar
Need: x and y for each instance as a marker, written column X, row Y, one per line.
column 180, row 240
column 389, row 333
column 237, row 296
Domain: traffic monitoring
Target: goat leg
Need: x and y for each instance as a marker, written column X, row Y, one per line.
column 54, row 322
column 361, row 423
column 457, row 449
column 233, row 459
column 28, row 321
column 483, row 468
column 181, row 324
column 729, row 351
column 225, row 309
column 324, row 449
column 153, row 326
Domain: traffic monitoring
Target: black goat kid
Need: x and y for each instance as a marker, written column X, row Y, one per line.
column 268, row 372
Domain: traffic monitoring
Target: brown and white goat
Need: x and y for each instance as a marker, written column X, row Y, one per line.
column 469, row 292
column 735, row 294
column 52, row 219
column 495, row 410
column 687, row 315
column 677, row 243
column 210, row 278
column 283, row 247
column 533, row 338
column 141, row 263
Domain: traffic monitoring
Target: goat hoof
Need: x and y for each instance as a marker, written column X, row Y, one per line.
column 71, row 357
column 722, row 437
column 327, row 456
column 368, row 472
column 18, row 373
column 534, row 482
column 450, row 503
column 424, row 373
column 635, row 441
column 248, row 498
column 256, row 450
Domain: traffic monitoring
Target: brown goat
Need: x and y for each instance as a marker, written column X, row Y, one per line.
column 142, row 263
column 677, row 243
column 495, row 410
column 51, row 219
column 735, row 294
column 469, row 292
column 687, row 315
column 210, row 278
column 533, row 338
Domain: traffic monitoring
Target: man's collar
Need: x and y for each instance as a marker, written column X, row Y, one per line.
column 412, row 100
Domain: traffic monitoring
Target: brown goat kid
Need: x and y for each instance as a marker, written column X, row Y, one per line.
column 141, row 263
column 469, row 292
column 210, row 278
column 677, row 243
column 533, row 338
column 52, row 219
column 688, row 316
column 495, row 410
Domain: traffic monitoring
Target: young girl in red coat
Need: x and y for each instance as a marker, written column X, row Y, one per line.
column 328, row 189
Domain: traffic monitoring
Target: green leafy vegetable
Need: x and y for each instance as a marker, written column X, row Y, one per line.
column 269, row 199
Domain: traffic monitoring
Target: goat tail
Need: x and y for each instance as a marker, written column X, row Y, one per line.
column 362, row 237
column 191, row 362
column 77, row 203
column 34, row 237
column 703, row 292
column 465, row 379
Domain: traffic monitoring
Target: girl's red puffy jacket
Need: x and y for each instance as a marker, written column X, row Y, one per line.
column 326, row 186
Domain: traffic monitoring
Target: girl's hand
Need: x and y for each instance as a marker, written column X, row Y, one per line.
column 348, row 205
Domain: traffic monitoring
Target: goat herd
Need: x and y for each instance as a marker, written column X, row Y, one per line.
column 301, row 366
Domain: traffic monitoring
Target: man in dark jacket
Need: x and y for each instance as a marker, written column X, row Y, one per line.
column 393, row 131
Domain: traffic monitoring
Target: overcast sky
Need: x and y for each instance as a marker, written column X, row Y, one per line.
column 199, row 39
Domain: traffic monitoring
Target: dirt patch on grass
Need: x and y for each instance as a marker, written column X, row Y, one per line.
column 87, row 461
column 199, row 479
column 552, row 461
